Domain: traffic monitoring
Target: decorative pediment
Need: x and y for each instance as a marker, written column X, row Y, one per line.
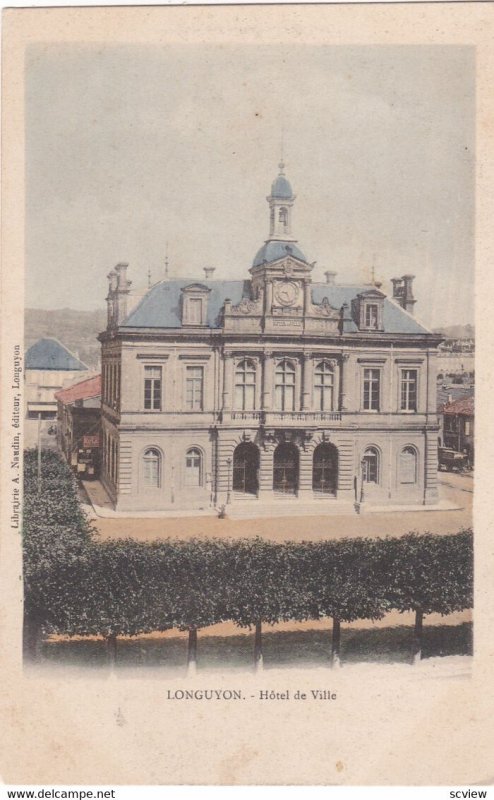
column 372, row 293
column 195, row 287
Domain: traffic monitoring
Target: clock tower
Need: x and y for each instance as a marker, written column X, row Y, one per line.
column 280, row 270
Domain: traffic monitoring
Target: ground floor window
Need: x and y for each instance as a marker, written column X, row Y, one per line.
column 193, row 467
column 325, row 469
column 246, row 468
column 370, row 466
column 285, row 469
column 152, row 468
column 408, row 465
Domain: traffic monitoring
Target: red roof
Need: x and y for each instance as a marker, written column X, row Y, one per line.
column 465, row 405
column 82, row 390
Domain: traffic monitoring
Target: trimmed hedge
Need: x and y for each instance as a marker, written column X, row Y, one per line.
column 76, row 585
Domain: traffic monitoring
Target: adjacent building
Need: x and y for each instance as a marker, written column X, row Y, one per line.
column 458, row 426
column 49, row 366
column 277, row 387
column 79, row 425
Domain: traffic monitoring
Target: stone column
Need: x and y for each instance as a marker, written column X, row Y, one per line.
column 227, row 381
column 269, row 296
column 306, row 381
column 267, row 381
column 343, row 362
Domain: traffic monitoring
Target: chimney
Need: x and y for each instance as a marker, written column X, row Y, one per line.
column 112, row 278
column 403, row 292
column 330, row 277
column 117, row 294
column 208, row 273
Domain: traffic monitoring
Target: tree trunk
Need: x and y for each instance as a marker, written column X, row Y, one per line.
column 192, row 651
column 258, row 660
column 31, row 638
column 335, row 643
column 417, row 636
column 111, row 649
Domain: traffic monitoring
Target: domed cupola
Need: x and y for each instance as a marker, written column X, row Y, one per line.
column 281, row 241
column 281, row 188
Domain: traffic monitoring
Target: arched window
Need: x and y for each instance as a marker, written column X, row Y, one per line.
column 323, row 387
column 285, row 386
column 370, row 466
column 151, row 462
column 283, row 216
column 408, row 465
column 245, row 385
column 193, row 467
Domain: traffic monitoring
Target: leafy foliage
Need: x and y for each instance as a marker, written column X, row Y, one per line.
column 75, row 584
column 433, row 574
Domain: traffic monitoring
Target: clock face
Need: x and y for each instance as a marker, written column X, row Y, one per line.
column 286, row 293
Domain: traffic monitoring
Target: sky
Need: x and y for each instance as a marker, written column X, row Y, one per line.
column 131, row 149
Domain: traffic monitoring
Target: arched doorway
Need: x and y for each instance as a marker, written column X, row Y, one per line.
column 285, row 469
column 325, row 469
column 246, row 468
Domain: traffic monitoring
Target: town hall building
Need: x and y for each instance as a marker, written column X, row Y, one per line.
column 275, row 388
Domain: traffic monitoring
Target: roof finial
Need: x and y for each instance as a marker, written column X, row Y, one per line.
column 281, row 165
column 166, row 261
column 149, row 278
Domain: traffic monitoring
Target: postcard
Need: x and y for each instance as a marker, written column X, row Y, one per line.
column 246, row 287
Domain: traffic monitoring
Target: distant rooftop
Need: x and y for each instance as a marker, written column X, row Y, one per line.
column 82, row 390
column 49, row 353
column 465, row 405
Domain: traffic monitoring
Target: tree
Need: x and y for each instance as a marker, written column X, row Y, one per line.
column 259, row 587
column 343, row 582
column 189, row 577
column 427, row 574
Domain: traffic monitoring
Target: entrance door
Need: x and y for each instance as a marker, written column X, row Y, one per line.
column 246, row 468
column 325, row 469
column 285, row 469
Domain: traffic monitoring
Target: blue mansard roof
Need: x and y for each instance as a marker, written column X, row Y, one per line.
column 161, row 306
column 51, row 354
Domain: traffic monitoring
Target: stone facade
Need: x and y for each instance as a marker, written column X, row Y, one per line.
column 275, row 388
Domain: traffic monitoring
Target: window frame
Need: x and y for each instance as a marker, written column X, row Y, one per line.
column 159, row 462
column 152, row 409
column 281, row 407
column 321, row 406
column 240, row 387
column 200, row 455
column 375, row 452
column 405, row 382
column 379, row 372
column 188, row 369
column 413, row 450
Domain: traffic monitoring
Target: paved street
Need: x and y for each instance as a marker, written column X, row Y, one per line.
column 455, row 489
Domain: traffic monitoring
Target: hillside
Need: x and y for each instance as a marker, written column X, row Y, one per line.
column 457, row 331
column 77, row 330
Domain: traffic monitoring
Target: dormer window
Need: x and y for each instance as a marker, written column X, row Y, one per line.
column 368, row 310
column 195, row 304
column 371, row 316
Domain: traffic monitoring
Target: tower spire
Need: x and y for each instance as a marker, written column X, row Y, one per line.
column 166, row 261
column 281, row 164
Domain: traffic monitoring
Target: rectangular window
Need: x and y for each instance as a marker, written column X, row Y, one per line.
column 371, row 316
column 195, row 310
column 194, row 388
column 372, row 390
column 408, row 401
column 152, row 388
column 467, row 427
